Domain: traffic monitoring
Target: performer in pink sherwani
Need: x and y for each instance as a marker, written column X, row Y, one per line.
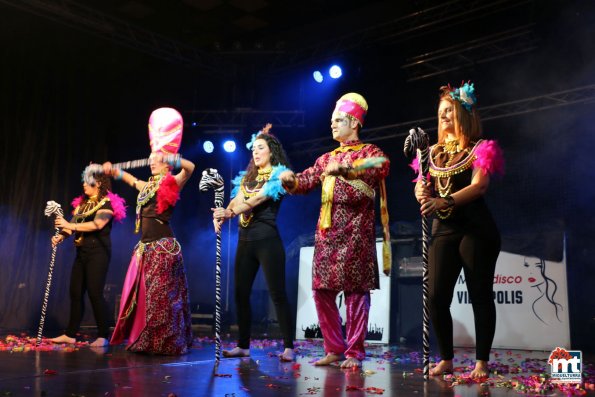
column 154, row 315
column 345, row 246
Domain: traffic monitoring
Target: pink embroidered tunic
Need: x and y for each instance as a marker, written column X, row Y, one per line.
column 345, row 253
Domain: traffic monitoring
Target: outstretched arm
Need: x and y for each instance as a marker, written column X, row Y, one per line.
column 238, row 206
column 127, row 177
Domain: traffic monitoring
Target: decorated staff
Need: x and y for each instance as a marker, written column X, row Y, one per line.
column 212, row 180
column 92, row 169
column 418, row 142
column 52, row 208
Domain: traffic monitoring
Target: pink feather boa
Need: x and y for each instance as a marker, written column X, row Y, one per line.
column 415, row 166
column 489, row 158
column 77, row 201
column 168, row 193
column 118, row 205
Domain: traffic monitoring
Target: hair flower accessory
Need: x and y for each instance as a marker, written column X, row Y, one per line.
column 265, row 130
column 465, row 94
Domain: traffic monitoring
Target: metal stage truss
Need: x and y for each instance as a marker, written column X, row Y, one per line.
column 485, row 49
column 425, row 21
column 87, row 19
column 508, row 109
column 421, row 22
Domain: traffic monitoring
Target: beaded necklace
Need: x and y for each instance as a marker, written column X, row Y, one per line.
column 88, row 208
column 146, row 194
column 443, row 174
column 262, row 177
column 83, row 211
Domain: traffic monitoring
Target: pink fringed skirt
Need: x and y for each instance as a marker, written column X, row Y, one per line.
column 154, row 311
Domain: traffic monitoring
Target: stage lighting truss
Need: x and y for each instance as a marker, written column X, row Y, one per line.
column 482, row 50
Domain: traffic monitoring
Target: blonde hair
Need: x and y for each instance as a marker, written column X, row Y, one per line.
column 467, row 124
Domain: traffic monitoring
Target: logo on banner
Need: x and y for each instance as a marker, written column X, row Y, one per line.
column 565, row 365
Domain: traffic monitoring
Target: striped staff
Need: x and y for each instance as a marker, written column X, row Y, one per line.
column 212, row 180
column 92, row 169
column 418, row 143
column 52, row 208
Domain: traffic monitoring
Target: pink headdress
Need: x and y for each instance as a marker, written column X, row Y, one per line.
column 354, row 105
column 165, row 131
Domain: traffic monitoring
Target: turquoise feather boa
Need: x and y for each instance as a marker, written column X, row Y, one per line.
column 272, row 189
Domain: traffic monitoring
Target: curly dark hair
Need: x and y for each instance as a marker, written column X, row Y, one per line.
column 278, row 156
column 105, row 185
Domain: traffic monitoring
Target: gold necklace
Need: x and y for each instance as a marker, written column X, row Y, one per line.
column 87, row 209
column 451, row 147
column 264, row 174
column 146, row 194
column 83, row 211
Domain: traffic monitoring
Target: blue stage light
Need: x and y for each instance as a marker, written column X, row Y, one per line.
column 317, row 76
column 229, row 146
column 335, row 71
column 208, row 146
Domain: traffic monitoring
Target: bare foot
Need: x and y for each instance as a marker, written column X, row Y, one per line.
column 63, row 339
column 328, row 359
column 99, row 342
column 236, row 352
column 481, row 370
column 443, row 367
column 287, row 355
column 351, row 362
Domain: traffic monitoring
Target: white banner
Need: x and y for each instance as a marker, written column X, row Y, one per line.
column 531, row 305
column 307, row 321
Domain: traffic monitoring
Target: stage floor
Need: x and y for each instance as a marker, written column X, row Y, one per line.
column 77, row 371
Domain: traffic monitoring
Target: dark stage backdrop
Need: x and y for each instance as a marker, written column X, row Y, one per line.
column 67, row 98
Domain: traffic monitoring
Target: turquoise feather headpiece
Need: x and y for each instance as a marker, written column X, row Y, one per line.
column 465, row 94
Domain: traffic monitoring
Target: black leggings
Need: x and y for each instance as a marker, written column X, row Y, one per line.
column 89, row 272
column 477, row 257
column 270, row 254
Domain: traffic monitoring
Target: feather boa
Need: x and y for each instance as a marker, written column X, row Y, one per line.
column 489, row 158
column 274, row 188
column 236, row 182
column 168, row 193
column 415, row 166
column 118, row 205
column 77, row 201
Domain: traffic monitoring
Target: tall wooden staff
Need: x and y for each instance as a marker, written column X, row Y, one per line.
column 418, row 143
column 52, row 208
column 212, row 180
